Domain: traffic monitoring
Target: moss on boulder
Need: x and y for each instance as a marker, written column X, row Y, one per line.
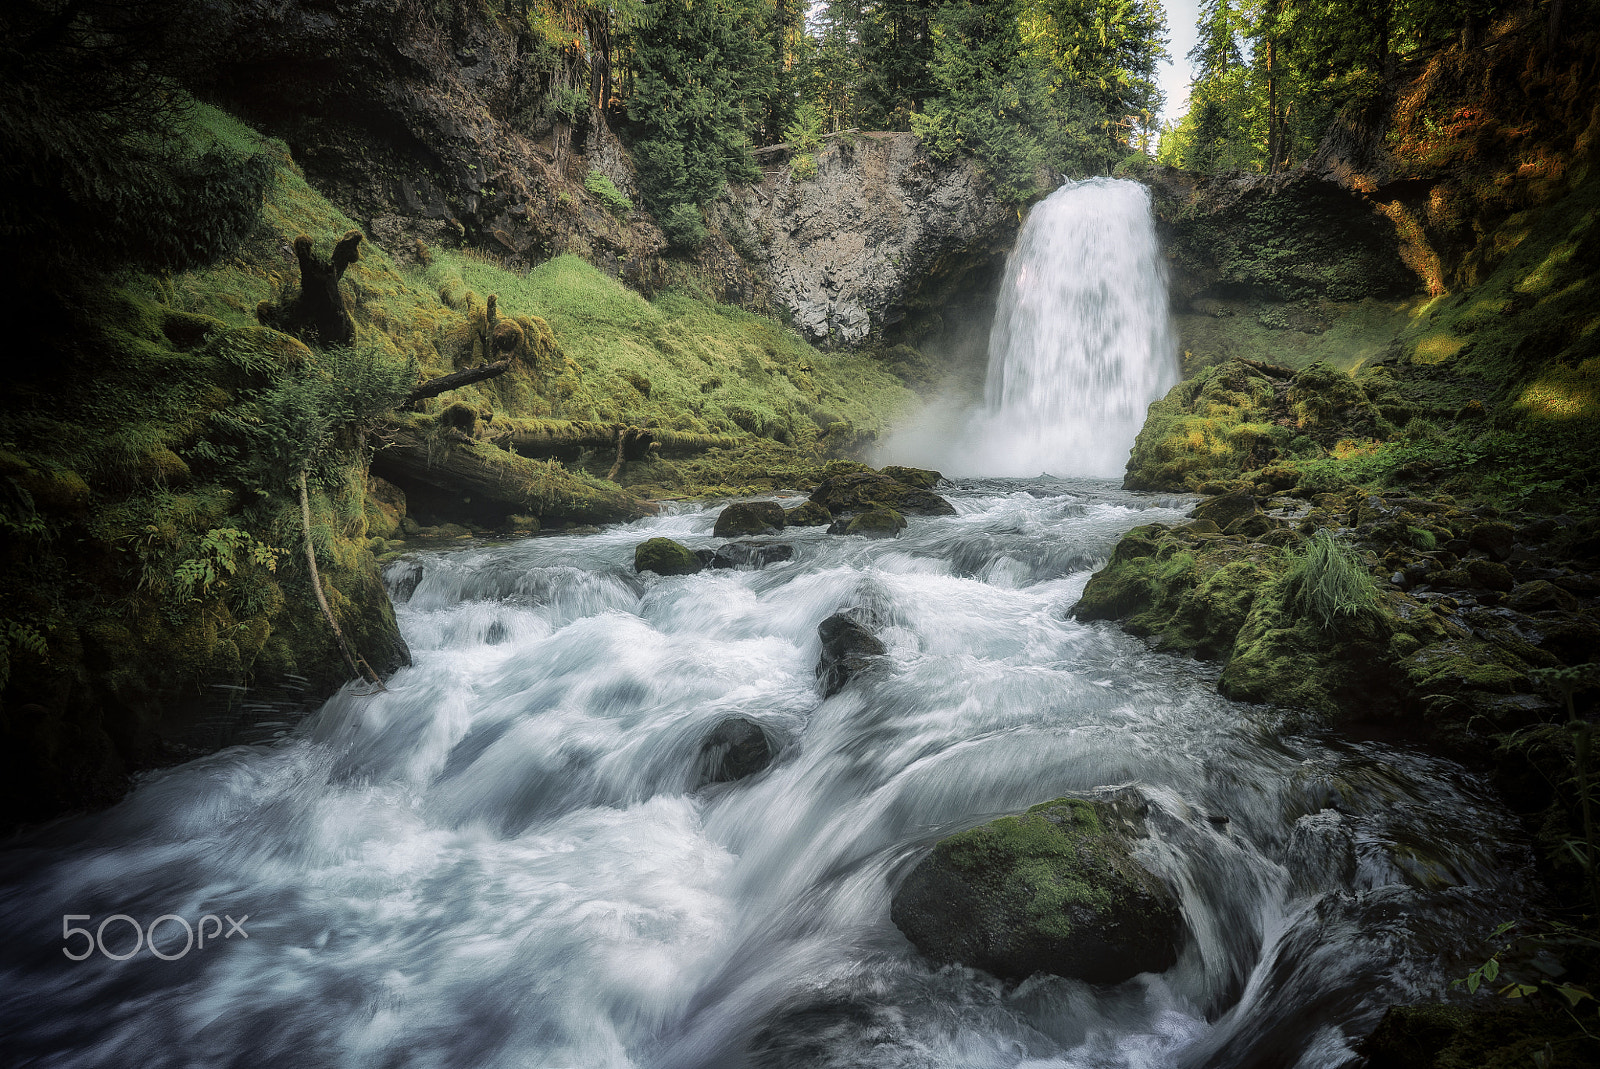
column 665, row 557
column 861, row 491
column 807, row 514
column 749, row 518
column 877, row 523
column 1055, row 889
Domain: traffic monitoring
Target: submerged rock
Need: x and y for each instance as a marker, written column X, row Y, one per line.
column 736, row 748
column 848, row 649
column 861, row 491
column 807, row 514
column 666, row 557
column 754, row 555
column 749, row 518
column 1053, row 890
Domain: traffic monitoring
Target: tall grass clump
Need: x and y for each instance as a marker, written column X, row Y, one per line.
column 1326, row 583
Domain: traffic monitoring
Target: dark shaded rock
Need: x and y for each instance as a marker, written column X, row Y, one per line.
column 1540, row 594
column 848, row 649
column 665, row 557
column 1053, row 890
column 921, row 478
column 1227, row 509
column 1489, row 575
column 736, row 748
column 1251, row 526
column 749, row 518
column 861, row 491
column 878, row 523
column 753, row 555
column 1495, row 539
column 807, row 514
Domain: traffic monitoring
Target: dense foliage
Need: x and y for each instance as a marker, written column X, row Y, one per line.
column 1270, row 76
column 1031, row 87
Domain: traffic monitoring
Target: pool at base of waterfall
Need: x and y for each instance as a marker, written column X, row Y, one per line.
column 508, row 858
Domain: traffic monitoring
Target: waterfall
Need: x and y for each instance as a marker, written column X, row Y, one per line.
column 1081, row 345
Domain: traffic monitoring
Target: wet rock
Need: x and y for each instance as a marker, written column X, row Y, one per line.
column 878, row 523
column 1055, row 890
column 736, row 748
column 1489, row 575
column 1540, row 594
column 807, row 514
column 665, row 557
column 861, row 491
column 752, row 555
column 749, row 518
column 848, row 650
column 921, row 478
column 1226, row 510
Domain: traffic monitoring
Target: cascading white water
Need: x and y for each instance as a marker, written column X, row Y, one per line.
column 1081, row 345
column 502, row 861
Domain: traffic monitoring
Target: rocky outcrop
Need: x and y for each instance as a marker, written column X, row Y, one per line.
column 879, row 228
column 1055, row 890
column 1448, row 648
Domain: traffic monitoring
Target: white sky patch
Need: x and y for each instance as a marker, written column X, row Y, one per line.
column 1174, row 74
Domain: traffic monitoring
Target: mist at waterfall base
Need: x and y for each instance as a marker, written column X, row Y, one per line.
column 502, row 860
column 1081, row 345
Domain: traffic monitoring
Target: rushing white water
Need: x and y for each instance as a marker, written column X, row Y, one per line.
column 499, row 862
column 1081, row 345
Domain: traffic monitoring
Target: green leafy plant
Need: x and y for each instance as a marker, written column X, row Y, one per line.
column 613, row 198
column 804, row 136
column 222, row 552
column 1326, row 582
column 1529, row 965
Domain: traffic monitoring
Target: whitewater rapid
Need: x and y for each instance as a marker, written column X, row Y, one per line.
column 501, row 862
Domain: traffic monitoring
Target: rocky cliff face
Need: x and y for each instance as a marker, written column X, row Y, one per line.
column 879, row 232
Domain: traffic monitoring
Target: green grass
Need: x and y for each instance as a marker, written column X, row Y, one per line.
column 1326, row 582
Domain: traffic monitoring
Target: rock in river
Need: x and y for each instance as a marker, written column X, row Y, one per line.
column 1053, row 890
column 748, row 518
column 848, row 649
column 735, row 749
column 665, row 557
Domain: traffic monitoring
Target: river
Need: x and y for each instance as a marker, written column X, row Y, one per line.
column 501, row 860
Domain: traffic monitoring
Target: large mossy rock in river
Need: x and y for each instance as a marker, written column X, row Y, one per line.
column 807, row 514
column 666, row 557
column 748, row 518
column 878, row 523
column 1053, row 890
column 867, row 490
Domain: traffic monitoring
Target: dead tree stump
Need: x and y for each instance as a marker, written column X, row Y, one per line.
column 317, row 313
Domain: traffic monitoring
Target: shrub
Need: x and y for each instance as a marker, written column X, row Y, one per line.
column 605, row 189
column 1326, row 582
column 684, row 227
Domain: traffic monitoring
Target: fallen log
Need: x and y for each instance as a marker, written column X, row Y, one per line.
column 493, row 478
column 457, row 379
column 549, row 437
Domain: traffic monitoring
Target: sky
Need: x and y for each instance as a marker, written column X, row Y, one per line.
column 1181, row 16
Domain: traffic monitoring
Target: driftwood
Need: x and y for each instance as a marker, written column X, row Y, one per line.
column 457, row 379
column 455, row 464
column 317, row 313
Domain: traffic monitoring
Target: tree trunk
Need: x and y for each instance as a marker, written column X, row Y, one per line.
column 317, row 314
column 350, row 658
column 456, row 379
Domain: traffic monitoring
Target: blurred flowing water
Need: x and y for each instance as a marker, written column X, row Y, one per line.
column 500, row 862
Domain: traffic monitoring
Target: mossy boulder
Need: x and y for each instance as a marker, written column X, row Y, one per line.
column 921, row 478
column 1226, row 509
column 877, row 523
column 807, row 514
column 665, row 557
column 749, row 518
column 1055, row 889
column 861, row 491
